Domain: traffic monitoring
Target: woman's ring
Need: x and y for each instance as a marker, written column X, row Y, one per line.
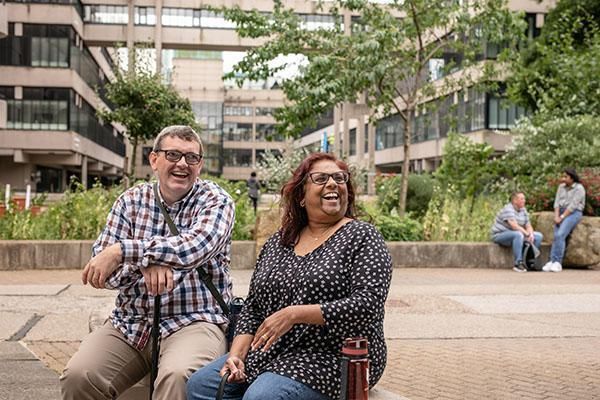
column 265, row 337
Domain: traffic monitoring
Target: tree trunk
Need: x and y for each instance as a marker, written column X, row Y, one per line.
column 405, row 164
column 134, row 145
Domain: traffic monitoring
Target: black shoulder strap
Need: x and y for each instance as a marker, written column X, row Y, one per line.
column 203, row 275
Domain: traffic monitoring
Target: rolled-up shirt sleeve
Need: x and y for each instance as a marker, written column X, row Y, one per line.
column 369, row 280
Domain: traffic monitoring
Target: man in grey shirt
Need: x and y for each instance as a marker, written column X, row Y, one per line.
column 568, row 210
column 512, row 227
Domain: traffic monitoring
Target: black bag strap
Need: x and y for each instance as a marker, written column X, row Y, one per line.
column 203, row 275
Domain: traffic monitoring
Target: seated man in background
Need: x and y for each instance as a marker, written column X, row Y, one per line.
column 512, row 227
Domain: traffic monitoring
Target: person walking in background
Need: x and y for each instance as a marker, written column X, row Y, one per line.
column 253, row 189
column 512, row 227
column 137, row 256
column 568, row 210
column 322, row 278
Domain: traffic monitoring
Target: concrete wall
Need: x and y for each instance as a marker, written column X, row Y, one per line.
column 18, row 255
column 74, row 254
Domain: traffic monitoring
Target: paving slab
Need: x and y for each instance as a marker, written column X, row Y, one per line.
column 531, row 304
column 448, row 326
column 52, row 327
column 11, row 322
column 31, row 290
column 23, row 376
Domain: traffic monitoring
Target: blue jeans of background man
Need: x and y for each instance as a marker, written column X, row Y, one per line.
column 557, row 252
column 204, row 383
column 515, row 240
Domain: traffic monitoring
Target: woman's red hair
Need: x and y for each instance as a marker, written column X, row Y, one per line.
column 294, row 217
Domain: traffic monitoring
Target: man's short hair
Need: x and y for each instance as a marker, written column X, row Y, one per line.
column 183, row 132
column 514, row 194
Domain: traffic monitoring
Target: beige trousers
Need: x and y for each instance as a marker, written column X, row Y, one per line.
column 106, row 365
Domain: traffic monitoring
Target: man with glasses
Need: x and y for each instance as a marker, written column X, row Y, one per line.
column 137, row 255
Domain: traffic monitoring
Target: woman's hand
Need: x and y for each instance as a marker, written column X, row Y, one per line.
column 274, row 327
column 235, row 366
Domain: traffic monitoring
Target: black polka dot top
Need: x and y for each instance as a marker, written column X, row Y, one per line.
column 349, row 276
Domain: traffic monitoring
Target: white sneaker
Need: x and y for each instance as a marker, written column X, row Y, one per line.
column 548, row 266
column 556, row 267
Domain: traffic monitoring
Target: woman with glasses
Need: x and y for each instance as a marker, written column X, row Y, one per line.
column 322, row 278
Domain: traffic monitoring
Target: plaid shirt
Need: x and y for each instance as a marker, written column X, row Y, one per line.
column 205, row 218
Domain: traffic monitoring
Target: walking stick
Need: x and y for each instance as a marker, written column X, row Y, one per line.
column 155, row 342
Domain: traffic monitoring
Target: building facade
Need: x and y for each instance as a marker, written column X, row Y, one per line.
column 54, row 59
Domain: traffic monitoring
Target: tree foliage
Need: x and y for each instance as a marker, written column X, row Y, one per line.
column 467, row 167
column 385, row 59
column 557, row 74
column 144, row 106
column 544, row 150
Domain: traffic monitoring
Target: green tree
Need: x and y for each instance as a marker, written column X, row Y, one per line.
column 144, row 105
column 557, row 73
column 385, row 59
column 540, row 151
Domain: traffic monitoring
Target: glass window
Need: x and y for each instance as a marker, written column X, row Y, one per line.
column 106, row 14
column 237, row 132
column 146, row 150
column 183, row 17
column 237, row 157
column 145, row 16
column 352, row 143
column 210, row 19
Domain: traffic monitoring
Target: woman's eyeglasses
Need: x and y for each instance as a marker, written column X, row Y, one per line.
column 321, row 178
column 175, row 156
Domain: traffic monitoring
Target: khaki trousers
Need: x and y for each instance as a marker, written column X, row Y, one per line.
column 106, row 365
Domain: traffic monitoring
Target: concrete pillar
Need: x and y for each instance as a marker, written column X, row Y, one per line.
column 158, row 34
column 336, row 130
column 346, row 131
column 84, row 170
column 130, row 36
column 360, row 140
column 371, row 169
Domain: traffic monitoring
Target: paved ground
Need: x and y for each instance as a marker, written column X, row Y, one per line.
column 452, row 333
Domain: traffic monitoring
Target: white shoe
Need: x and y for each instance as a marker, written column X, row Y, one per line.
column 548, row 266
column 556, row 267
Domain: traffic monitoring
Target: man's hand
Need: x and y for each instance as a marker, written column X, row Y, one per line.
column 99, row 268
column 157, row 277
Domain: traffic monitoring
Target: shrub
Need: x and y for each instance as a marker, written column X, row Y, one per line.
column 391, row 225
column 420, row 190
column 81, row 215
column 244, row 212
column 544, row 150
column 451, row 217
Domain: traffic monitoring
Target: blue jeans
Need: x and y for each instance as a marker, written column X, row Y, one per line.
column 515, row 240
column 557, row 252
column 204, row 383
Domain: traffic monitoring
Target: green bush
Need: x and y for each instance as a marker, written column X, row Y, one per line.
column 244, row 212
column 454, row 218
column 420, row 190
column 391, row 225
column 543, row 150
column 81, row 215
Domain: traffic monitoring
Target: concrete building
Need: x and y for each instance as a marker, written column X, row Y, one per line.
column 55, row 55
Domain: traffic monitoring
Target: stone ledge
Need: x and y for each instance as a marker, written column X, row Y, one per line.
column 20, row 255
column 74, row 254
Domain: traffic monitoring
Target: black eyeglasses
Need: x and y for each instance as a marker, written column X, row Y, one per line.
column 175, row 156
column 321, row 178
